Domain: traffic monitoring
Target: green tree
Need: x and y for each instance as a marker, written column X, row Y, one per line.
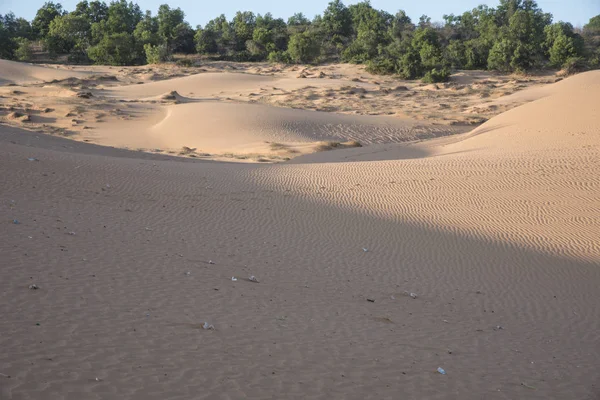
column 184, row 39
column 112, row 38
column 7, row 44
column 67, row 32
column 593, row 26
column 206, row 41
column 146, row 31
column 426, row 42
column 337, row 20
column 122, row 17
column 115, row 49
column 401, row 26
column 591, row 37
column 44, row 16
column 168, row 21
column 243, row 28
column 456, row 54
column 17, row 27
column 501, row 54
column 94, row 11
column 303, row 48
column 370, row 27
column 298, row 19
column 562, row 43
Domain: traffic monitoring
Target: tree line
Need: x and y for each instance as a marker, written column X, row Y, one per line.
column 515, row 36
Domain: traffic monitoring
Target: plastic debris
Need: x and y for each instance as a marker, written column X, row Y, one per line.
column 33, row 159
column 253, row 279
column 365, row 249
column 413, row 295
column 34, row 287
column 71, row 233
column 233, row 279
column 371, row 300
column 211, row 262
column 16, row 221
column 441, row 370
column 208, row 326
column 188, row 273
column 498, row 327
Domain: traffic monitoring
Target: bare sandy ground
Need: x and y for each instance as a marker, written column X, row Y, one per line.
column 245, row 112
column 494, row 232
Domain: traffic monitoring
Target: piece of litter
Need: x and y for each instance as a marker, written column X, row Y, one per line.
column 33, row 159
column 107, row 185
column 188, row 273
column 30, row 237
column 211, row 262
column 413, row 295
column 71, row 233
column 365, row 249
column 393, row 297
column 16, row 221
column 445, row 320
column 208, row 326
column 527, row 386
column 253, row 279
column 148, row 229
column 34, row 287
column 371, row 300
column 233, row 278
column 441, row 371
column 498, row 327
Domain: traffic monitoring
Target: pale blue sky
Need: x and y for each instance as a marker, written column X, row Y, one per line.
column 578, row 12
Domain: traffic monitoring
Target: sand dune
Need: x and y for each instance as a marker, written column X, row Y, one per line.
column 216, row 127
column 495, row 231
column 21, row 73
column 212, row 84
column 563, row 116
column 167, row 109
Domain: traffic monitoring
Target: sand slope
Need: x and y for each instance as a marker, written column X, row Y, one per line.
column 219, row 127
column 22, row 73
column 496, row 231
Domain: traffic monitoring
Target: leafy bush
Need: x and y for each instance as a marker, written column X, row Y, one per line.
column 23, row 51
column 156, row 54
column 381, row 66
column 185, row 62
column 279, row 57
column 115, row 49
column 303, row 48
column 574, row 65
column 435, row 76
